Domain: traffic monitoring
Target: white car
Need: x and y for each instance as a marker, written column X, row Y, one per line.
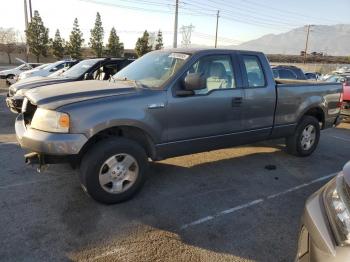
column 12, row 73
column 46, row 70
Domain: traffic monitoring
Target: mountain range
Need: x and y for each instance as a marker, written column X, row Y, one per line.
column 329, row 39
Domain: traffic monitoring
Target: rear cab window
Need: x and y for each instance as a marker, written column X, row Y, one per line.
column 254, row 71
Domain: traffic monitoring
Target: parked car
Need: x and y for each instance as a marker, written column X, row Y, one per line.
column 12, row 73
column 169, row 103
column 89, row 69
column 46, row 70
column 336, row 78
column 345, row 80
column 325, row 225
column 288, row 72
column 312, row 76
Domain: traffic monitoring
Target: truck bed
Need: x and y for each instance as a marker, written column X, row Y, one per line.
column 294, row 97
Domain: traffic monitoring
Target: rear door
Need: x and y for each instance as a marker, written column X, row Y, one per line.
column 260, row 96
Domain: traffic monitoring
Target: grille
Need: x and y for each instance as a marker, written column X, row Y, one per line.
column 28, row 112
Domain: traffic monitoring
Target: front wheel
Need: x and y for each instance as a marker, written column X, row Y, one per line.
column 305, row 139
column 113, row 170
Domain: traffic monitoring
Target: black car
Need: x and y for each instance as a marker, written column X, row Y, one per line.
column 312, row 76
column 89, row 69
column 288, row 72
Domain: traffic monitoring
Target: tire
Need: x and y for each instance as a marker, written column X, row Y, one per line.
column 95, row 173
column 295, row 143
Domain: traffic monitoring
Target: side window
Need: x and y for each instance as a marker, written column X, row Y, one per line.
column 275, row 73
column 254, row 71
column 217, row 71
column 24, row 68
column 286, row 74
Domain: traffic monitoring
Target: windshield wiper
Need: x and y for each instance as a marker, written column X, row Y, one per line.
column 137, row 82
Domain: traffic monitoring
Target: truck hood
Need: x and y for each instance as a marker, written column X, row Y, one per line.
column 33, row 82
column 54, row 96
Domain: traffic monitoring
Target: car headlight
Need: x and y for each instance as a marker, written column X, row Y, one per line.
column 50, row 121
column 20, row 92
column 336, row 198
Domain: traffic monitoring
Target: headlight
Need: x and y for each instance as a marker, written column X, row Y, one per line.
column 50, row 121
column 20, row 92
column 336, row 197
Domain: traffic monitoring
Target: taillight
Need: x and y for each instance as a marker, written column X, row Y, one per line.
column 340, row 103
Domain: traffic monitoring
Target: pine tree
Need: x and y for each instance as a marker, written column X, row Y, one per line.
column 142, row 45
column 37, row 36
column 159, row 41
column 115, row 48
column 75, row 41
column 96, row 39
column 57, row 45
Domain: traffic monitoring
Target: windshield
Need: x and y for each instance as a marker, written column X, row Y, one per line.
column 80, row 68
column 153, row 69
column 44, row 66
column 49, row 66
column 334, row 79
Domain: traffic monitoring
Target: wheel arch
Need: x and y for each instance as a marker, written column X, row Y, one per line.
column 317, row 112
column 131, row 132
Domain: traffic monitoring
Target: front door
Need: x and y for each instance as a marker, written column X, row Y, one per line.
column 207, row 119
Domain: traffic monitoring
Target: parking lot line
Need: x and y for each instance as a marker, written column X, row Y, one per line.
column 28, row 183
column 255, row 202
column 340, row 138
column 8, row 143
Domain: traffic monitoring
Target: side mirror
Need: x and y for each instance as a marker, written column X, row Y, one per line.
column 194, row 81
column 86, row 76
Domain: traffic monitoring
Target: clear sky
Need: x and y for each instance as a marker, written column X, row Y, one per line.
column 240, row 20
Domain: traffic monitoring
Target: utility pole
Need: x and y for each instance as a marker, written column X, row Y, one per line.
column 26, row 14
column 26, row 26
column 307, row 42
column 30, row 10
column 217, row 26
column 175, row 23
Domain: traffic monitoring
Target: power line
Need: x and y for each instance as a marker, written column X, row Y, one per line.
column 235, row 10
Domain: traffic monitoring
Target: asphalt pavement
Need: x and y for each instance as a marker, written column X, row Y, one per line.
column 239, row 204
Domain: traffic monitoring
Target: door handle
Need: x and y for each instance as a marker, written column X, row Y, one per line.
column 237, row 101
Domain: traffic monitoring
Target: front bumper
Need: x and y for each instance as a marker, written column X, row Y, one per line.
column 318, row 244
column 46, row 143
column 15, row 105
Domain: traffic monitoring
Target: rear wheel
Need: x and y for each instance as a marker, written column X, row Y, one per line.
column 305, row 139
column 113, row 170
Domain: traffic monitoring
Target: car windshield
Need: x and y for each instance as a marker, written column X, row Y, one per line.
column 334, row 79
column 44, row 66
column 80, row 68
column 153, row 69
column 50, row 66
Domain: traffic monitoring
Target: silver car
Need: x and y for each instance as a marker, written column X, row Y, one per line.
column 325, row 227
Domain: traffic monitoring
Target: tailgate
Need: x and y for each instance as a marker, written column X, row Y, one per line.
column 346, row 94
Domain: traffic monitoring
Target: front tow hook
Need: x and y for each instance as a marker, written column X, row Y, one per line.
column 35, row 159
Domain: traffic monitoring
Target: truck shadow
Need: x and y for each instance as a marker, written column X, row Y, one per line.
column 182, row 190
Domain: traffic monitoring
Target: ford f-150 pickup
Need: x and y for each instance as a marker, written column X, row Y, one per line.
column 170, row 103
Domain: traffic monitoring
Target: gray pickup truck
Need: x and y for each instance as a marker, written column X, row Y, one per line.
column 169, row 103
